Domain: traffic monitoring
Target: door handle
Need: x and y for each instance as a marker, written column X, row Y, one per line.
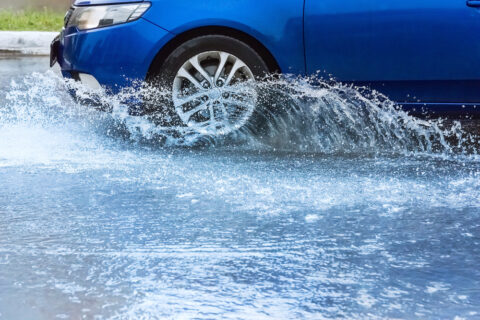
column 473, row 3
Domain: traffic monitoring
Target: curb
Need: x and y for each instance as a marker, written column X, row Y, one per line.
column 26, row 42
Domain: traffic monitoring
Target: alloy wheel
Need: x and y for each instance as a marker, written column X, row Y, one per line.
column 213, row 93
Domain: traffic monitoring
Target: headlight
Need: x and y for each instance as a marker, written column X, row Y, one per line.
column 92, row 17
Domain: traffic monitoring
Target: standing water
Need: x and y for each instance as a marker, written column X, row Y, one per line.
column 340, row 206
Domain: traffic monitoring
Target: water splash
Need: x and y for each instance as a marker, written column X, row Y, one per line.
column 335, row 118
column 295, row 115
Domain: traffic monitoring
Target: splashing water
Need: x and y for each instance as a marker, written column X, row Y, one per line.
column 293, row 115
column 334, row 118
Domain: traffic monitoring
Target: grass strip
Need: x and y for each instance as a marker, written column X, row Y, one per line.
column 30, row 20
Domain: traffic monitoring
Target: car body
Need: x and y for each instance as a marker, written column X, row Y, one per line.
column 421, row 54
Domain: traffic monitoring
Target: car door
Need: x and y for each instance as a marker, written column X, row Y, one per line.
column 411, row 50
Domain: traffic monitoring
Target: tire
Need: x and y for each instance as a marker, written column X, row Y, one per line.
column 165, row 76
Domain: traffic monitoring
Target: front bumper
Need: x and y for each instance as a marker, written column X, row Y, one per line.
column 117, row 56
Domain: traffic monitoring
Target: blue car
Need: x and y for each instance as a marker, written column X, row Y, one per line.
column 420, row 53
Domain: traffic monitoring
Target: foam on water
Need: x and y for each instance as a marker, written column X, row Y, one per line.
column 40, row 124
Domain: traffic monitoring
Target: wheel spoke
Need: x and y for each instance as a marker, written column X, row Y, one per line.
column 239, row 96
column 223, row 60
column 242, row 104
column 185, row 74
column 199, row 68
column 212, row 113
column 191, row 98
column 187, row 115
column 237, row 65
column 224, row 111
column 239, row 90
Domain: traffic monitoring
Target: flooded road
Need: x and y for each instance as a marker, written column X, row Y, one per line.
column 307, row 223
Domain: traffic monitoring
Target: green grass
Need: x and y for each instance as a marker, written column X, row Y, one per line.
column 30, row 20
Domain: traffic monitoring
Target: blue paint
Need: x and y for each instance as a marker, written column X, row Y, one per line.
column 414, row 52
column 100, row 2
column 411, row 49
column 117, row 55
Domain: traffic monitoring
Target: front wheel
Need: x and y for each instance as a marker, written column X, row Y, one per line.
column 212, row 83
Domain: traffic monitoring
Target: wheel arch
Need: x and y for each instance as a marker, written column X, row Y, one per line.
column 181, row 38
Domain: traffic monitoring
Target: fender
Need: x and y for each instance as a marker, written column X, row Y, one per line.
column 278, row 27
